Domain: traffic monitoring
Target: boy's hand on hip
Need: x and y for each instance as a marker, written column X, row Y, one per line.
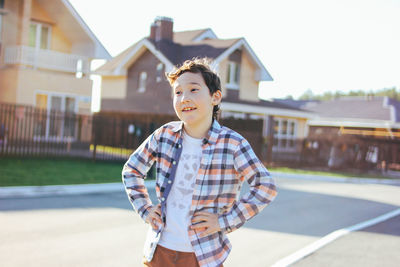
column 154, row 217
column 205, row 222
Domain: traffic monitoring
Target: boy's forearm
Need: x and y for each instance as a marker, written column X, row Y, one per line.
column 136, row 191
column 262, row 188
column 134, row 174
column 262, row 193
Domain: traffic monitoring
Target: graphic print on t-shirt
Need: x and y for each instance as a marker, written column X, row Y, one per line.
column 185, row 186
column 175, row 234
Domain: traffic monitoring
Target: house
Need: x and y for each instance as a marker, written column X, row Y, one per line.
column 356, row 130
column 134, row 81
column 45, row 54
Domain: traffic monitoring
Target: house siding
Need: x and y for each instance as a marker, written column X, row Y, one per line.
column 248, row 85
column 20, row 84
column 11, row 24
column 222, row 72
column 51, row 82
column 8, row 79
column 58, row 42
column 156, row 99
column 113, row 87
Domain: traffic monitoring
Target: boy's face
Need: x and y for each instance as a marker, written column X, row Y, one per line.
column 193, row 103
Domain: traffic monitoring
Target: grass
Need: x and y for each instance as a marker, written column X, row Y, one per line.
column 42, row 171
column 46, row 171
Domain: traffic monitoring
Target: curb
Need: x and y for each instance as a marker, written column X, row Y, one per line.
column 61, row 190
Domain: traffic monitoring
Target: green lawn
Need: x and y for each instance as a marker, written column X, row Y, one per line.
column 42, row 171
column 45, row 171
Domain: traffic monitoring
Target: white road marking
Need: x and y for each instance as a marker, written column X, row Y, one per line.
column 298, row 255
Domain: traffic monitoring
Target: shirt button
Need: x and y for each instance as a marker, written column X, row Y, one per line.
column 163, row 199
column 174, row 162
column 169, row 181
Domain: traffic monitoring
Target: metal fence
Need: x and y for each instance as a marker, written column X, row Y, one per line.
column 32, row 132
column 29, row 131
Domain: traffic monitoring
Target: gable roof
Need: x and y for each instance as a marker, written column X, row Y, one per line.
column 114, row 62
column 265, row 107
column 372, row 108
column 185, row 45
column 186, row 37
column 84, row 42
column 178, row 53
column 294, row 103
column 364, row 111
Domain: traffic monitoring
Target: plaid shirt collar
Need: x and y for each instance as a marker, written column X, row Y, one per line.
column 212, row 134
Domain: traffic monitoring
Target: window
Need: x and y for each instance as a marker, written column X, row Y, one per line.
column 142, row 82
column 39, row 35
column 233, row 75
column 285, row 131
column 60, row 121
column 41, row 101
column 159, row 72
column 1, row 3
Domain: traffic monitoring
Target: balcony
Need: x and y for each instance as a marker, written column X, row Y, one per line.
column 46, row 59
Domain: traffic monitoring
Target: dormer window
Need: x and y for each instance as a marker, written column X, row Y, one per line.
column 142, row 82
column 159, row 72
column 233, row 75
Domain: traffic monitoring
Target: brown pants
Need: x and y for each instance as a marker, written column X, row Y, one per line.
column 164, row 257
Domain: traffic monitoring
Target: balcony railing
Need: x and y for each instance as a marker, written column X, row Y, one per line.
column 46, row 59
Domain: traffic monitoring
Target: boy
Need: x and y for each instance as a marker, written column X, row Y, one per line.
column 200, row 168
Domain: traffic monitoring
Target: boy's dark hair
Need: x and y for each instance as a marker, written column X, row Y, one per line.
column 202, row 66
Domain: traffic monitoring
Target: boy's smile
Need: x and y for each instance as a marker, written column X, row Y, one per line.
column 193, row 103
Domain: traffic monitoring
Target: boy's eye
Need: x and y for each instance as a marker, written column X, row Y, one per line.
column 178, row 92
column 194, row 89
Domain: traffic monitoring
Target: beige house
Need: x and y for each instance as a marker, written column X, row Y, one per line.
column 45, row 54
column 134, row 80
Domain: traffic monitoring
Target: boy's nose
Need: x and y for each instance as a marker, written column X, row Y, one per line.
column 185, row 98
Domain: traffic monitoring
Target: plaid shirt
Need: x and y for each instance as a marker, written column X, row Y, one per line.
column 227, row 161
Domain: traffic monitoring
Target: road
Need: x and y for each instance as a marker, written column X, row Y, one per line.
column 102, row 230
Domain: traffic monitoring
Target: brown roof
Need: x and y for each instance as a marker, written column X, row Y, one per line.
column 373, row 108
column 178, row 53
column 185, row 37
column 357, row 107
column 181, row 49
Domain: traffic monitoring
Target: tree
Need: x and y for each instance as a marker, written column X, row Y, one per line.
column 289, row 97
column 307, row 95
column 390, row 92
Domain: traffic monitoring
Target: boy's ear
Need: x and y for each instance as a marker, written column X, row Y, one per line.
column 216, row 98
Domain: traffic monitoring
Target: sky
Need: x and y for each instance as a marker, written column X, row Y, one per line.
column 318, row 45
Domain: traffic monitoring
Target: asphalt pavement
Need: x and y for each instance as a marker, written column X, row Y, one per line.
column 94, row 225
column 374, row 246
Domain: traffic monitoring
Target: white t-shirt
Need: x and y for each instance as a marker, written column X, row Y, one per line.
column 175, row 234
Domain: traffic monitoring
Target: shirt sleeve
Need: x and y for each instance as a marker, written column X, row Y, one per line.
column 134, row 172
column 262, row 189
